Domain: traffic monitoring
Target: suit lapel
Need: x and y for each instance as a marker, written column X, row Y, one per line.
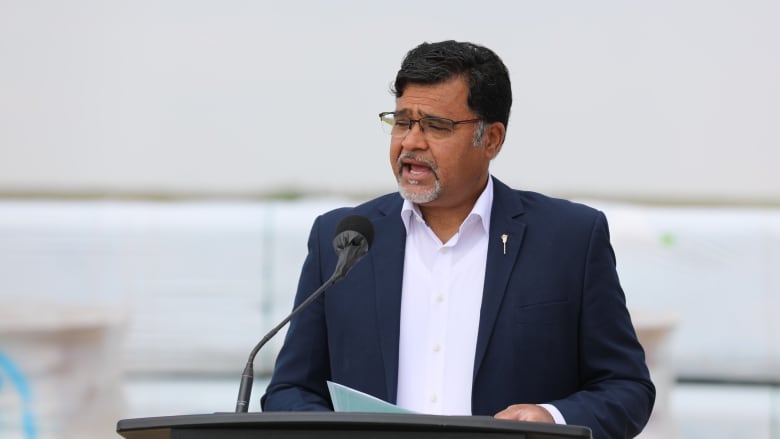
column 504, row 220
column 388, row 261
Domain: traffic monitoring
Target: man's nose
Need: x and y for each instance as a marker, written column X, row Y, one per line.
column 415, row 138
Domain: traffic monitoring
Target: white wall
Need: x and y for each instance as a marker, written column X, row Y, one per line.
column 666, row 99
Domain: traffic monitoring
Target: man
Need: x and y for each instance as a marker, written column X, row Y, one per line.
column 475, row 298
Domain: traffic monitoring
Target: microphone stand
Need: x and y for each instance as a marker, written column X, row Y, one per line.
column 351, row 246
column 248, row 376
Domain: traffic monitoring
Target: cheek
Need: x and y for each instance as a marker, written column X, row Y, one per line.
column 459, row 167
column 395, row 151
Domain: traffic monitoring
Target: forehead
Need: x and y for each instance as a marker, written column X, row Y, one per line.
column 449, row 98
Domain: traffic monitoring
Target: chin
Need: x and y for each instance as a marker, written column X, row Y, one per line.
column 419, row 195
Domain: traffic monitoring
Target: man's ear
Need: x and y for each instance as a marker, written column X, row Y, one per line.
column 494, row 139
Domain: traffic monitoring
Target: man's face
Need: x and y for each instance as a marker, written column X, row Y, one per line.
column 449, row 172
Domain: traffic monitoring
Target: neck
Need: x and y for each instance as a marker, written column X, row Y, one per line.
column 445, row 222
column 446, row 219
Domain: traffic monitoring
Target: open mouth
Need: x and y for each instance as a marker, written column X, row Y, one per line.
column 415, row 169
column 412, row 168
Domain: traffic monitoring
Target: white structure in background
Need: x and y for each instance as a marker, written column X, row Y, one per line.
column 200, row 282
column 60, row 370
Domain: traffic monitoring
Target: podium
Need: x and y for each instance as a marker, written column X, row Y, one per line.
column 330, row 425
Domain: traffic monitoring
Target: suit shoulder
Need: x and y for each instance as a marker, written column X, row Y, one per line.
column 532, row 204
column 372, row 209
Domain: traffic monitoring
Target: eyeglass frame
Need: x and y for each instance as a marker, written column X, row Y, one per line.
column 454, row 123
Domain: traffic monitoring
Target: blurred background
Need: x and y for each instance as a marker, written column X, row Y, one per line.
column 161, row 163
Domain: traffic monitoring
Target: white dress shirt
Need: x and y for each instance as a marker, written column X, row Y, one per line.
column 440, row 305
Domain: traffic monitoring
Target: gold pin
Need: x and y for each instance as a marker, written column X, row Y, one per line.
column 504, row 238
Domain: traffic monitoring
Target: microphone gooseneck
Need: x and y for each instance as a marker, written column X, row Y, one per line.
column 352, row 240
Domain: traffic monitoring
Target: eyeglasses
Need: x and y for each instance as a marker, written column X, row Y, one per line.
column 432, row 127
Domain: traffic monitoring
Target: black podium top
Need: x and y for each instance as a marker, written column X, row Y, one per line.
column 326, row 425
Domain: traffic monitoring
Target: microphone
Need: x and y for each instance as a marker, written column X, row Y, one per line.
column 352, row 240
column 354, row 235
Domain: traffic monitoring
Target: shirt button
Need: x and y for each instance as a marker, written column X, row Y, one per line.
column 436, row 347
column 444, row 249
column 440, row 298
column 434, row 398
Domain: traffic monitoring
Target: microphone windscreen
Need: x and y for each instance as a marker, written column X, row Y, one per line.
column 359, row 224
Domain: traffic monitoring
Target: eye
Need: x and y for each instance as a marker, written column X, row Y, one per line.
column 402, row 123
column 438, row 124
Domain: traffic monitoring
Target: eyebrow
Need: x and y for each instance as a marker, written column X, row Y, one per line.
column 406, row 113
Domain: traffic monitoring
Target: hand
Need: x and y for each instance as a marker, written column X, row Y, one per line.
column 525, row 412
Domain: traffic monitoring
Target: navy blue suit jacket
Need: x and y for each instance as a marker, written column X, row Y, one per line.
column 553, row 323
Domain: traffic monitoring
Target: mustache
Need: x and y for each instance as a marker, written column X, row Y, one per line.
column 408, row 155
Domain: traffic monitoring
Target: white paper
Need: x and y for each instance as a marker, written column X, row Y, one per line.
column 346, row 399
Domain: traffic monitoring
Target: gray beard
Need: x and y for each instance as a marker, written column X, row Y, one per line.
column 418, row 197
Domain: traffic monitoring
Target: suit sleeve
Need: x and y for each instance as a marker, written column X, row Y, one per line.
column 616, row 396
column 302, row 367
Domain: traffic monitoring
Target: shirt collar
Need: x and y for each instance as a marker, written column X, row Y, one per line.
column 481, row 209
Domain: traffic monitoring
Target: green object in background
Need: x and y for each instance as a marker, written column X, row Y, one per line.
column 667, row 239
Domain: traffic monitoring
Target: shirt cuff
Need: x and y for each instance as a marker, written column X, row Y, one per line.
column 557, row 416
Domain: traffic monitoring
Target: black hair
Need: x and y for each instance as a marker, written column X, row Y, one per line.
column 490, row 91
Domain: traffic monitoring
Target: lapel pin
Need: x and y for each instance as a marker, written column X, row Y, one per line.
column 504, row 238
